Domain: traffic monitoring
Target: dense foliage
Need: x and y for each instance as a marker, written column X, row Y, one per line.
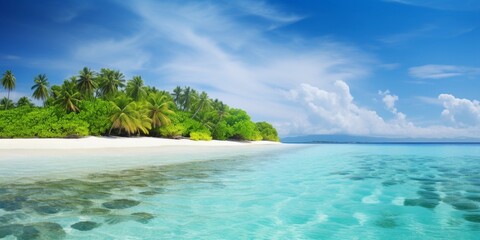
column 105, row 103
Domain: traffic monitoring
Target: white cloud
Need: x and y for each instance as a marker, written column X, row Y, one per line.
column 456, row 5
column 125, row 54
column 432, row 71
column 389, row 101
column 267, row 11
column 334, row 110
column 460, row 111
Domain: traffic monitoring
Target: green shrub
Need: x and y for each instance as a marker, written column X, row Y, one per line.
column 171, row 131
column 47, row 122
column 267, row 131
column 96, row 114
column 196, row 136
column 222, row 131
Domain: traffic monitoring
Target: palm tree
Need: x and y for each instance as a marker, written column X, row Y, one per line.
column 24, row 101
column 157, row 106
column 8, row 82
column 177, row 96
column 6, row 103
column 135, row 88
column 214, row 117
column 188, row 96
column 86, row 82
column 109, row 82
column 127, row 115
column 149, row 90
column 41, row 87
column 68, row 96
column 220, row 108
column 204, row 103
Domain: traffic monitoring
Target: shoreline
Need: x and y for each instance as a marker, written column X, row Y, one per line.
column 114, row 142
column 27, row 160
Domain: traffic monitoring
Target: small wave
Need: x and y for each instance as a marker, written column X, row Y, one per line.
column 372, row 198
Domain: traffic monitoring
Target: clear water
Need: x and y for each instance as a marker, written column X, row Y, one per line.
column 284, row 192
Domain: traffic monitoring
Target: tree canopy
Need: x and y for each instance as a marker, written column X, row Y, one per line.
column 100, row 103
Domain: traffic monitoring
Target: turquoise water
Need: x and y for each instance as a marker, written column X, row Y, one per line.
column 289, row 192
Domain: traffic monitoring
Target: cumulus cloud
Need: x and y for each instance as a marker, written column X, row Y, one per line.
column 432, row 71
column 333, row 110
column 389, row 101
column 460, row 111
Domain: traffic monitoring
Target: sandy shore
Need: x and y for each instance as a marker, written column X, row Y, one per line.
column 113, row 142
column 60, row 158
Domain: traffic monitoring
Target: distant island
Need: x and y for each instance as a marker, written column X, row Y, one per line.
column 104, row 103
column 345, row 138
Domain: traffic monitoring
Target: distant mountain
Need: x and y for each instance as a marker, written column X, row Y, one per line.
column 339, row 138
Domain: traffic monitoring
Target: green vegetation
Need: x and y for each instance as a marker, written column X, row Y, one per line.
column 8, row 83
column 105, row 103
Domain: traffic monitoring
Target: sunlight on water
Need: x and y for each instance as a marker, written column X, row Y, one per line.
column 311, row 192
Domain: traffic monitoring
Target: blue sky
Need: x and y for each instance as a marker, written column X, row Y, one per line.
column 391, row 68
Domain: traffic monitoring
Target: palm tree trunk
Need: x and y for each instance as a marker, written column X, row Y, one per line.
column 8, row 98
column 198, row 109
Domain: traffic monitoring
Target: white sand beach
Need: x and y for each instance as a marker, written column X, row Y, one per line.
column 113, row 142
column 55, row 157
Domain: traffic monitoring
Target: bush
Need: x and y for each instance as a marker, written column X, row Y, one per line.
column 267, row 131
column 222, row 131
column 96, row 114
column 206, row 136
column 48, row 122
column 171, row 131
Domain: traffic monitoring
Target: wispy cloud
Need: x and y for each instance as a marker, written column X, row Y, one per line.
column 67, row 11
column 206, row 46
column 127, row 54
column 10, row 57
column 432, row 71
column 429, row 100
column 277, row 17
column 409, row 35
column 454, row 5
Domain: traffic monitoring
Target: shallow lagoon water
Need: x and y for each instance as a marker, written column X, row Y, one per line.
column 394, row 191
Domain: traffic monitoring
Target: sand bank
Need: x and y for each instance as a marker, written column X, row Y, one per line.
column 113, row 142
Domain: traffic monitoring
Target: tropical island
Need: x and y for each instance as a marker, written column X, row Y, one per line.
column 104, row 103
